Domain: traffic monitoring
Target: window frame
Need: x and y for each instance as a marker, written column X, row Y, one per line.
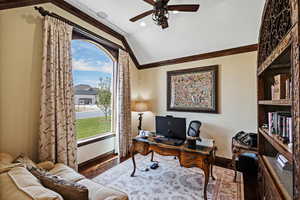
column 111, row 50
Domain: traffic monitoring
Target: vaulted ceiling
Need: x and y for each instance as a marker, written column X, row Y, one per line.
column 218, row 25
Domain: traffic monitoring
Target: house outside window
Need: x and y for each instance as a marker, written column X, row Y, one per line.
column 93, row 79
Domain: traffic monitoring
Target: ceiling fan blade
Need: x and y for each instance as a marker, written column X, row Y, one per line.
column 150, row 2
column 184, row 8
column 141, row 15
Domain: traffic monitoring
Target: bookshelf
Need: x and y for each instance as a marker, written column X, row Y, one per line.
column 278, row 82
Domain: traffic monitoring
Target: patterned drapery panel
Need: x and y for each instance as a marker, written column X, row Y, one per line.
column 124, row 104
column 57, row 139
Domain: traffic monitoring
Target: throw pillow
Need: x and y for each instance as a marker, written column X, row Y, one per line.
column 19, row 181
column 68, row 190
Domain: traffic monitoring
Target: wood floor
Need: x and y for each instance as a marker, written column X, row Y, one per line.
column 93, row 169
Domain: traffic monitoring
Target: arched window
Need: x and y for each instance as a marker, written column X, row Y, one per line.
column 93, row 69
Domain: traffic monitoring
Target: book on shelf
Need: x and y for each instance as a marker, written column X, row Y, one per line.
column 281, row 89
column 288, row 90
column 280, row 124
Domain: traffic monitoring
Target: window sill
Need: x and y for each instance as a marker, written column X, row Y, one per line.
column 95, row 139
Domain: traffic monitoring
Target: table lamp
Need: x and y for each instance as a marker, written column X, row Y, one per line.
column 140, row 107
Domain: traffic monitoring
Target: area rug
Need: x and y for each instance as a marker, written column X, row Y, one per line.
column 170, row 181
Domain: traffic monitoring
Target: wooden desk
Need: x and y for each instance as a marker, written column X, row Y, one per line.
column 201, row 157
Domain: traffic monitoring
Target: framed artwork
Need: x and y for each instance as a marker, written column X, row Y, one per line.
column 193, row 90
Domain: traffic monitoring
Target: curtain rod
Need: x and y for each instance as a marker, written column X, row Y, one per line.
column 81, row 30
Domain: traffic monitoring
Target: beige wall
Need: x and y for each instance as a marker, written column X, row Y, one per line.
column 237, row 98
column 20, row 76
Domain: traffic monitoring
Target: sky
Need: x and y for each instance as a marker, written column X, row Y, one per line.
column 89, row 63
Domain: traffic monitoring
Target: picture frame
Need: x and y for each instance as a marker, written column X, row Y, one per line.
column 193, row 90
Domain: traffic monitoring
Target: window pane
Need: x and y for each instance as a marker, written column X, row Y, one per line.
column 92, row 74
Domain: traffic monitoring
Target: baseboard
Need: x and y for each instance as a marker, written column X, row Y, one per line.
column 97, row 159
column 223, row 162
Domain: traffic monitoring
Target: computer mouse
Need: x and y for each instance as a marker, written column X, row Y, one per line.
column 154, row 166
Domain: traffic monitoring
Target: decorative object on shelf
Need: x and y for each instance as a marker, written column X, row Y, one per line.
column 280, row 87
column 140, row 107
column 193, row 134
column 283, row 162
column 193, row 90
column 160, row 11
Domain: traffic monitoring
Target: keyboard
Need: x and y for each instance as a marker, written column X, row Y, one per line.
column 169, row 141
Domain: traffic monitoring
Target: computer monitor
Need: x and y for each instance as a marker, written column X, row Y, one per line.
column 171, row 127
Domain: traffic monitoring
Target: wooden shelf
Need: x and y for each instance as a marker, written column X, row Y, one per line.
column 283, row 178
column 278, row 145
column 281, row 102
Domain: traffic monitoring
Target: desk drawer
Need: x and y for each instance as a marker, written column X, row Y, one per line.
column 141, row 147
column 192, row 159
column 164, row 151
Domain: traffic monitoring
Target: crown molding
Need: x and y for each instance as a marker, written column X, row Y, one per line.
column 226, row 52
column 131, row 53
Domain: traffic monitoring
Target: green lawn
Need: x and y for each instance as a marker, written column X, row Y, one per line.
column 92, row 126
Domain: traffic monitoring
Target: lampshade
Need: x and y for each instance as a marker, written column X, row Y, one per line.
column 140, row 106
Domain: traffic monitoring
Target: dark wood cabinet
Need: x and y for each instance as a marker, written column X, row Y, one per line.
column 278, row 53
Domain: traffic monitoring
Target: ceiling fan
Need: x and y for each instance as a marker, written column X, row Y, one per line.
column 160, row 11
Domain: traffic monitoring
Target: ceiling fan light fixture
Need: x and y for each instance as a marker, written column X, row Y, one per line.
column 159, row 16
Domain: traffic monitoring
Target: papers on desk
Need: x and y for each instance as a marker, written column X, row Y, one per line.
column 205, row 142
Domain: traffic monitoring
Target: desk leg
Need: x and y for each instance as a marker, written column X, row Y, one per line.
column 152, row 155
column 211, row 166
column 211, row 171
column 235, row 174
column 206, row 173
column 234, row 166
column 133, row 160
